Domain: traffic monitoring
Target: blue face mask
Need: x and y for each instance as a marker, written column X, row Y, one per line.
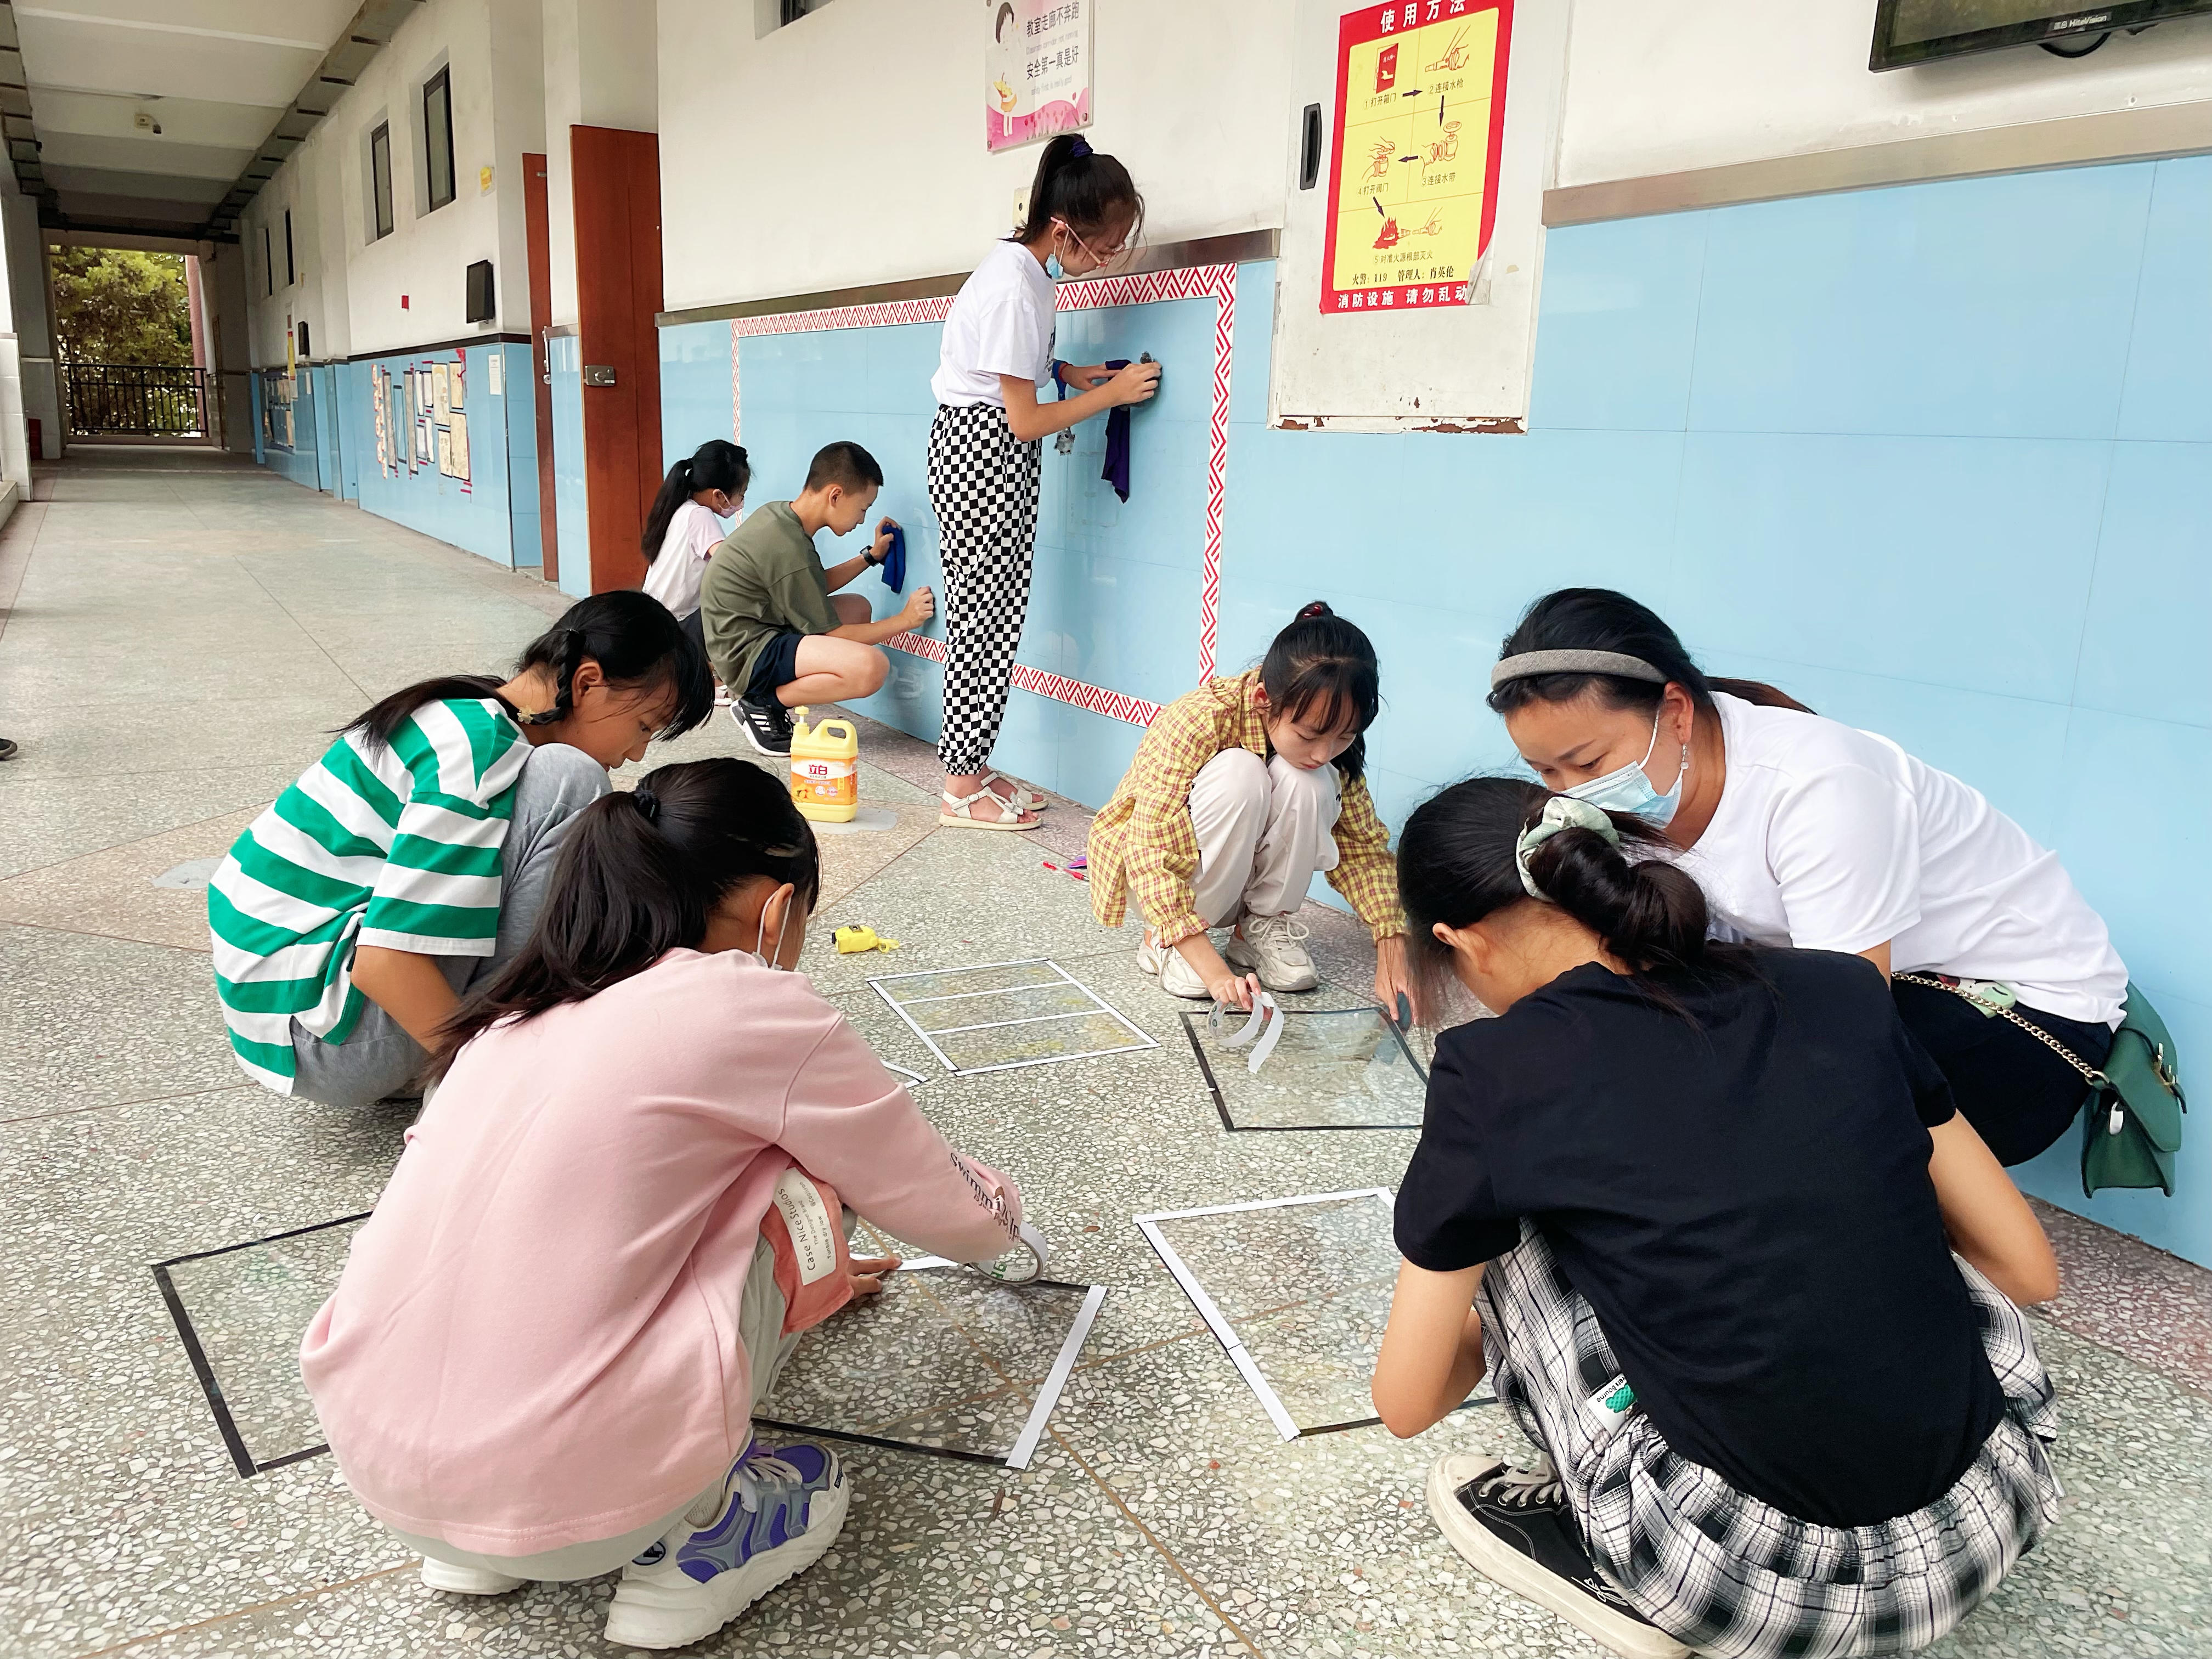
column 1629, row 789
column 1052, row 267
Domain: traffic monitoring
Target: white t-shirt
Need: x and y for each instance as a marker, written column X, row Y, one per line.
column 1000, row 323
column 690, row 541
column 1832, row 839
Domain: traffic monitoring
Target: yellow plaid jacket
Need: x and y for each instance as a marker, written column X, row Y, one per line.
column 1143, row 846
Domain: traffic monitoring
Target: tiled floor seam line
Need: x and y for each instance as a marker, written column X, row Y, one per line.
column 241, row 1612
column 6, row 921
column 1153, row 1538
column 244, row 1082
column 306, row 632
column 17, row 543
column 172, row 830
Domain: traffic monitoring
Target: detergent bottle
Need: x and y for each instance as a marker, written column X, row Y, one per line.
column 825, row 769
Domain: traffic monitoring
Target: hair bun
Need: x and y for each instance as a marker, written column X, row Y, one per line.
column 1318, row 608
column 647, row 803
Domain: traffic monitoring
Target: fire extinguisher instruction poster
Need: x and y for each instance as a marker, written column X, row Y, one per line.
column 1420, row 120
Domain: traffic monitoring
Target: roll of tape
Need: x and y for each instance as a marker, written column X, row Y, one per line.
column 1020, row 1265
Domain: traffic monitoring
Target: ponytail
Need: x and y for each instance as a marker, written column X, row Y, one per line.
column 1456, row 865
column 641, row 876
column 717, row 464
column 1083, row 189
column 1322, row 662
column 636, row 643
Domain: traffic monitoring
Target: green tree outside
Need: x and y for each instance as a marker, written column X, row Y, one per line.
column 119, row 306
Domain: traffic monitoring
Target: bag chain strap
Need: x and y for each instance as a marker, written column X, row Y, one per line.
column 2095, row 1079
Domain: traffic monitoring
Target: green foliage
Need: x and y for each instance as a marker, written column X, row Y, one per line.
column 116, row 306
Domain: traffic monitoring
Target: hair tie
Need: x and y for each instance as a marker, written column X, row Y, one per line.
column 1560, row 812
column 649, row 803
column 1318, row 608
column 1078, row 148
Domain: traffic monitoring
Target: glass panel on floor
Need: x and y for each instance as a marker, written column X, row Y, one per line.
column 1346, row 1068
column 944, row 1359
column 247, row 1307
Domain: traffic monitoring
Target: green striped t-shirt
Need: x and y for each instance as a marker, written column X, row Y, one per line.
column 397, row 847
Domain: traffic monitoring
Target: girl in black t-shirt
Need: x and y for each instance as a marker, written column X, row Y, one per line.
column 1695, row 1208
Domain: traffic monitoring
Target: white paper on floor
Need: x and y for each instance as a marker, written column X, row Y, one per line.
column 193, row 873
column 1297, row 1290
column 1000, row 1015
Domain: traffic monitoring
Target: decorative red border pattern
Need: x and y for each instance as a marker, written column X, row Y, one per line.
column 1216, row 282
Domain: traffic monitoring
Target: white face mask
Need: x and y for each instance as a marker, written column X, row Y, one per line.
column 769, row 959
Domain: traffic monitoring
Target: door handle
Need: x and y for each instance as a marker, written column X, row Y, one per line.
column 1310, row 149
column 599, row 373
column 545, row 353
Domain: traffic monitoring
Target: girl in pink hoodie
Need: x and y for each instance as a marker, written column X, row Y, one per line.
column 614, row 1218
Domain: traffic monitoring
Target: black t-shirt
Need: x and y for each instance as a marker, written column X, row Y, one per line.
column 1743, row 1196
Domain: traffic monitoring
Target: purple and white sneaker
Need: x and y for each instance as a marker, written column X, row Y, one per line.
column 782, row 1509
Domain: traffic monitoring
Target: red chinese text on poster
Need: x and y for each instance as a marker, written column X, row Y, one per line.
column 1420, row 119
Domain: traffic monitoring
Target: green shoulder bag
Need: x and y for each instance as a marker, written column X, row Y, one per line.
column 2131, row 1121
column 2132, row 1126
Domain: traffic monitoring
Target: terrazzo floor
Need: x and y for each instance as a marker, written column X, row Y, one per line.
column 177, row 635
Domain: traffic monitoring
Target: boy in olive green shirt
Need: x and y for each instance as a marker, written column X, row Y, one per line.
column 776, row 635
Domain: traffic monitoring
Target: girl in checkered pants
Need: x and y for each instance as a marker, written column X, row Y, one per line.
column 983, row 452
column 1709, row 1217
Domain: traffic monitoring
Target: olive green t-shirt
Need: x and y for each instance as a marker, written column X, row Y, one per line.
column 764, row 579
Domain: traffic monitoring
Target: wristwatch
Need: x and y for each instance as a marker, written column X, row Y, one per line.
column 869, row 554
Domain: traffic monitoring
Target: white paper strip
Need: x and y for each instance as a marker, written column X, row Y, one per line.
column 1049, row 1395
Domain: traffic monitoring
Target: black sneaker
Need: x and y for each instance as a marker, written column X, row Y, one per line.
column 766, row 727
column 1513, row 1527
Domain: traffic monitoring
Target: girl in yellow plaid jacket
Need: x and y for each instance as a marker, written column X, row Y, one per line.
column 1239, row 793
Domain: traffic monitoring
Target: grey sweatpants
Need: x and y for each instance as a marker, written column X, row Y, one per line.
column 760, row 1330
column 379, row 1059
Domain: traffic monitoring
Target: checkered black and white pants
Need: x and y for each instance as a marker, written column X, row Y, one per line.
column 1731, row 1575
column 983, row 488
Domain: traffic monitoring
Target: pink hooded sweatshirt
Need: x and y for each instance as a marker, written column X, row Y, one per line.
column 534, row 1343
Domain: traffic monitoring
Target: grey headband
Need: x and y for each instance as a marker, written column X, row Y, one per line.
column 1530, row 663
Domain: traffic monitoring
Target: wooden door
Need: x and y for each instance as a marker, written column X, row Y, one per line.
column 537, row 238
column 618, row 200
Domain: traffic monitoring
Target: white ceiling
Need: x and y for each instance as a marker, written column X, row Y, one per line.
column 215, row 75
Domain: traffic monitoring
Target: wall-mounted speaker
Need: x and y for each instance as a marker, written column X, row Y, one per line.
column 482, row 307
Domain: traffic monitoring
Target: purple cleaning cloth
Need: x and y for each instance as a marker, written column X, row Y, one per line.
column 1116, row 470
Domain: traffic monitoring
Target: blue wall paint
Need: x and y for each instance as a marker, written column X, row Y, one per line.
column 571, row 515
column 1843, row 443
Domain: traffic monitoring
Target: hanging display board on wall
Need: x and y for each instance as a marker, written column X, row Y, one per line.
column 1412, row 253
column 1036, row 70
column 1413, row 175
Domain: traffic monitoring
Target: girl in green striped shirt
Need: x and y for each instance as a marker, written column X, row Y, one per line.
column 414, row 856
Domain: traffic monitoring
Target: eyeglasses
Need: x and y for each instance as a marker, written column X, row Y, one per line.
column 1097, row 257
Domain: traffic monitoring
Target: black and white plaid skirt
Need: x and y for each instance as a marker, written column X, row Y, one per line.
column 1724, row 1572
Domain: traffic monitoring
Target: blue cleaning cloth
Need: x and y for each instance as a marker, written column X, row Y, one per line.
column 894, row 565
column 1116, row 470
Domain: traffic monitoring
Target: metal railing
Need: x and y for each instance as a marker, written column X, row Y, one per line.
column 137, row 399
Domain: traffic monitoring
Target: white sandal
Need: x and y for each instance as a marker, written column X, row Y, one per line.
column 1020, row 794
column 961, row 815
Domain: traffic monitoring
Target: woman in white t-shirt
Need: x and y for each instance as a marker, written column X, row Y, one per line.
column 685, row 525
column 984, row 452
column 1804, row 831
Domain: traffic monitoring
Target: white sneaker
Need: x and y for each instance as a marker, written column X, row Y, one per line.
column 1274, row 948
column 1176, row 978
column 781, row 1509
column 466, row 1580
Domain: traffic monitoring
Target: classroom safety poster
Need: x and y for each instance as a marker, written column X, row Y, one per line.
column 1420, row 120
column 1037, row 70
